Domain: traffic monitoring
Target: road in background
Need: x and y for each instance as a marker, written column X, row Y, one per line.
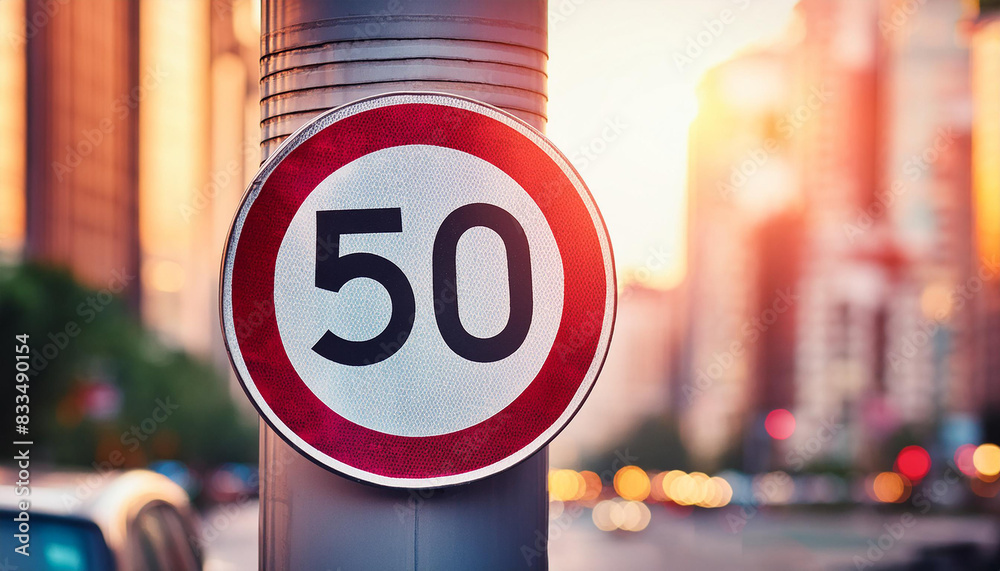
column 701, row 540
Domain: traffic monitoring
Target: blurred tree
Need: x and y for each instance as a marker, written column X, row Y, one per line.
column 105, row 391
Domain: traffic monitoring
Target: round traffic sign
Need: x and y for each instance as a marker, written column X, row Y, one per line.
column 417, row 290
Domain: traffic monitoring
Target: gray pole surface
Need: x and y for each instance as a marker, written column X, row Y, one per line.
column 319, row 54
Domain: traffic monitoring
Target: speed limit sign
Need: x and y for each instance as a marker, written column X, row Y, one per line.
column 417, row 290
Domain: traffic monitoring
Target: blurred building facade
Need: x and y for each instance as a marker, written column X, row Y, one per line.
column 140, row 130
column 199, row 148
column 740, row 177
column 13, row 79
column 868, row 227
column 81, row 135
column 984, row 40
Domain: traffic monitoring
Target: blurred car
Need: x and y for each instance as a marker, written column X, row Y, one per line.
column 127, row 521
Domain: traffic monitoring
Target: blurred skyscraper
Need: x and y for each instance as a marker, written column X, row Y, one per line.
column 985, row 74
column 848, row 189
column 199, row 147
column 140, row 122
column 81, row 138
column 881, row 340
column 740, row 179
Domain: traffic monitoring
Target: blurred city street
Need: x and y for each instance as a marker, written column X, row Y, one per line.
column 820, row 540
column 802, row 541
column 730, row 286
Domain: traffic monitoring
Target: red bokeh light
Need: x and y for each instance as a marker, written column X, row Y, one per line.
column 963, row 459
column 913, row 462
column 780, row 424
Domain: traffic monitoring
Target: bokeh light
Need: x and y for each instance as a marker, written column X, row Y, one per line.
column 635, row 516
column 566, row 485
column 626, row 515
column 666, row 482
column 593, row 486
column 720, row 493
column 632, row 483
column 682, row 489
column 913, row 462
column 986, row 460
column 608, row 515
column 963, row 459
column 890, row 487
column 780, row 424
column 656, row 491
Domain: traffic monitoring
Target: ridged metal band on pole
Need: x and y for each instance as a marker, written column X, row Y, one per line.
column 318, row 57
column 319, row 54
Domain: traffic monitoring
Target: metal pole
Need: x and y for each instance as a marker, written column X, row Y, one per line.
column 318, row 54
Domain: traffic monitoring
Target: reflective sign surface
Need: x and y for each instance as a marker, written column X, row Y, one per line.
column 418, row 291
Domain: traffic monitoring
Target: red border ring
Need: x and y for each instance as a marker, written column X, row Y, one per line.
column 347, row 133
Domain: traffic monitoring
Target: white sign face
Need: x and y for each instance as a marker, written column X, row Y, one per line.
column 418, row 291
column 427, row 388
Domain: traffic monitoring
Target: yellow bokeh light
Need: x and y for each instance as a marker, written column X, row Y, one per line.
column 566, row 485
column 701, row 488
column 682, row 488
column 718, row 492
column 986, row 459
column 632, row 483
column 667, row 480
column 724, row 492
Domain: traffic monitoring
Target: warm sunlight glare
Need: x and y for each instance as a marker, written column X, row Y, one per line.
column 622, row 95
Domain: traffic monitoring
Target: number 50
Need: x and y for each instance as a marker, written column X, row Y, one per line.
column 334, row 270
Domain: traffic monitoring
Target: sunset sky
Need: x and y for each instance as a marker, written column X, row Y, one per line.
column 621, row 98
